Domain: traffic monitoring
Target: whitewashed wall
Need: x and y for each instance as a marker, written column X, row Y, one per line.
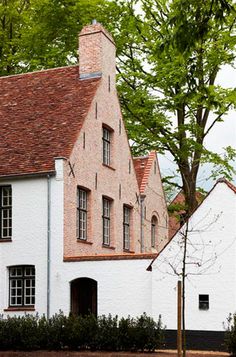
column 29, row 237
column 212, row 255
column 124, row 286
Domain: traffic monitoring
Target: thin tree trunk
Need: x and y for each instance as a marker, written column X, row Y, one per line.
column 185, row 236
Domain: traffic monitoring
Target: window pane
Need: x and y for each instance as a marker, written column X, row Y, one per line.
column 6, row 196
column 126, row 227
column 106, row 146
column 5, row 212
column 203, row 302
column 81, row 221
column 22, row 285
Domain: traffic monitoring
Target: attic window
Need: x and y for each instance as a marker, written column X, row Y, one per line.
column 153, row 231
column 203, row 302
column 106, row 139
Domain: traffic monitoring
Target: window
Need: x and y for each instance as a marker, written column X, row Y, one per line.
column 203, row 302
column 153, row 231
column 82, row 213
column 106, row 219
column 106, row 139
column 5, row 212
column 22, row 286
column 126, row 227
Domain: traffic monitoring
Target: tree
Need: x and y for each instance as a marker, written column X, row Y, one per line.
column 170, row 53
column 41, row 34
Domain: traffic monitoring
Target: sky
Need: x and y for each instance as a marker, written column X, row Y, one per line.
column 222, row 135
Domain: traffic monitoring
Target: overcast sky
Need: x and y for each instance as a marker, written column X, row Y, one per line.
column 222, row 135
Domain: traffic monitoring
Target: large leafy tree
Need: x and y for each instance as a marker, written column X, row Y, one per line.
column 36, row 34
column 170, row 53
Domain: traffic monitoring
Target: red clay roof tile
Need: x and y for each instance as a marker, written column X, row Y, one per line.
column 142, row 166
column 41, row 114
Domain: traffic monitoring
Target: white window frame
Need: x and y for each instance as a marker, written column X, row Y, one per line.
column 106, row 221
column 22, row 286
column 82, row 214
column 106, row 146
column 126, row 227
column 5, row 212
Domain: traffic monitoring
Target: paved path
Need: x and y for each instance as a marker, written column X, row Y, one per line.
column 166, row 353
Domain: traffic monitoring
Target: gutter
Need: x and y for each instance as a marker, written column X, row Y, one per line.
column 27, row 175
column 142, row 198
column 48, row 242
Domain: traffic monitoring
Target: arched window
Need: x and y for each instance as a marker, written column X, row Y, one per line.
column 153, row 231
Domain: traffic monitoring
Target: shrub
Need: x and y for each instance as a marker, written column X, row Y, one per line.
column 230, row 336
column 126, row 336
column 71, row 332
column 147, row 334
column 107, row 336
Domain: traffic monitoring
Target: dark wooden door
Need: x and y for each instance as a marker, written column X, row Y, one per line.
column 84, row 296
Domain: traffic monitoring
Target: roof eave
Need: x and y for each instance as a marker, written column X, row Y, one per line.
column 27, row 175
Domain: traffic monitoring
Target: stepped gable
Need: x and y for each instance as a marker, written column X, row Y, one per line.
column 142, row 166
column 41, row 114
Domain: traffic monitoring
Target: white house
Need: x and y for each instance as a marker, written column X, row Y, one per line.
column 75, row 233
column 210, row 269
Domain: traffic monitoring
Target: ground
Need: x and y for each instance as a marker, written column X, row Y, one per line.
column 109, row 354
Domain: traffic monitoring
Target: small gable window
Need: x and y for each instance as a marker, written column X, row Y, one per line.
column 203, row 302
column 82, row 213
column 106, row 140
column 153, row 231
column 5, row 212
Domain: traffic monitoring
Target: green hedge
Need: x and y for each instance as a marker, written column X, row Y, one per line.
column 230, row 339
column 80, row 333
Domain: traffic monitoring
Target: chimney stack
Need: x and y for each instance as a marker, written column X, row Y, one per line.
column 97, row 53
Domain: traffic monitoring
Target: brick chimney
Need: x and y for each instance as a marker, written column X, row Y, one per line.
column 97, row 53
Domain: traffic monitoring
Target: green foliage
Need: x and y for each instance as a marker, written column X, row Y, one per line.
column 80, row 333
column 167, row 78
column 230, row 339
column 169, row 56
column 37, row 34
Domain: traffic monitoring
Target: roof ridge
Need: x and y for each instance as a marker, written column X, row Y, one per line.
column 38, row 71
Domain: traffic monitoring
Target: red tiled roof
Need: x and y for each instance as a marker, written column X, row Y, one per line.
column 139, row 166
column 41, row 114
column 142, row 166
